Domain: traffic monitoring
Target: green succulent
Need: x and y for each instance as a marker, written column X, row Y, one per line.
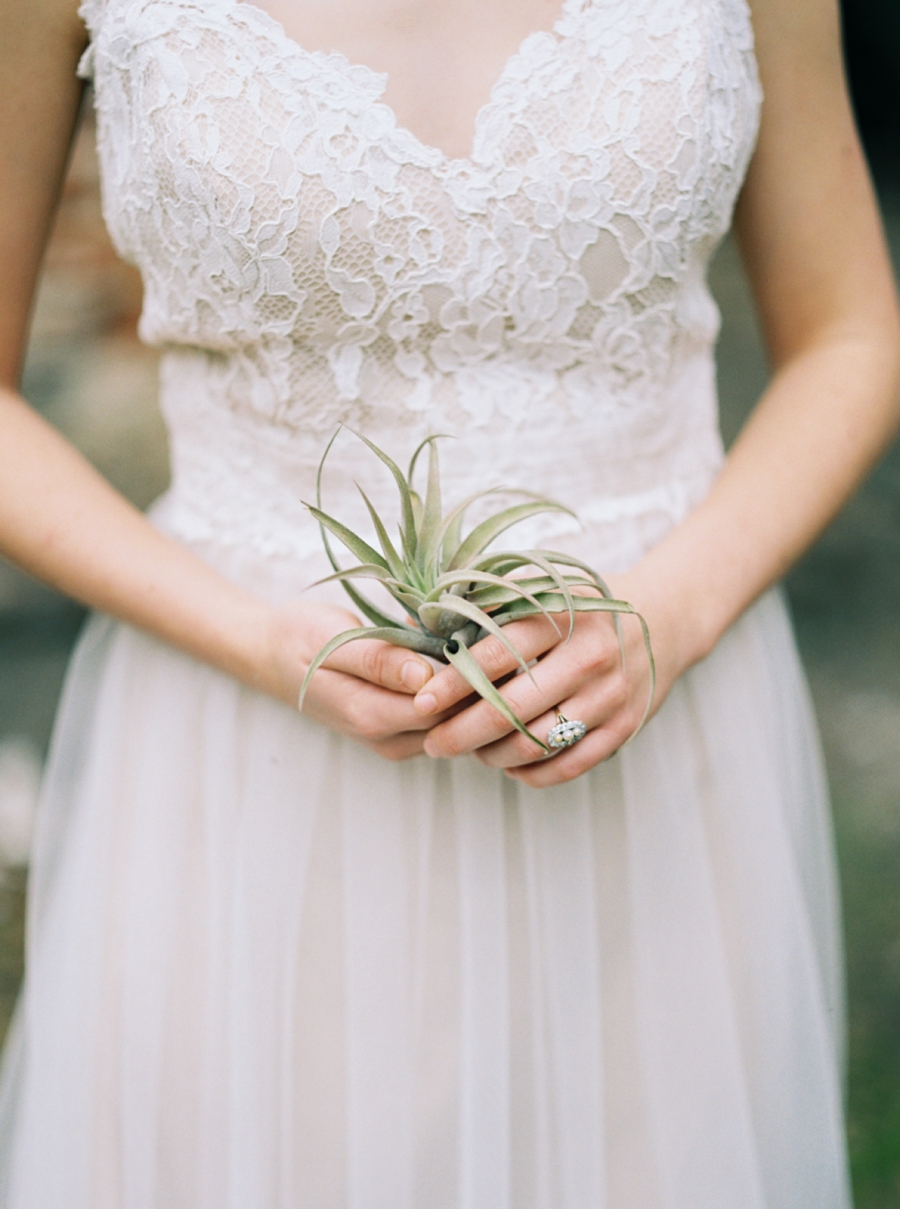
column 453, row 592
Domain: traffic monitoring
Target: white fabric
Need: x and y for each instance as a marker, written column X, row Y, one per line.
column 267, row 968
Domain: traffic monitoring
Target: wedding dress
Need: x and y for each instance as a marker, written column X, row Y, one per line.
column 268, row 968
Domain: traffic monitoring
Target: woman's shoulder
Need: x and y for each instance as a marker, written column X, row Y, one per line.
column 48, row 13
column 44, row 28
column 48, row 22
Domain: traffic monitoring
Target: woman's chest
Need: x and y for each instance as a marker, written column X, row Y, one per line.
column 609, row 148
column 439, row 61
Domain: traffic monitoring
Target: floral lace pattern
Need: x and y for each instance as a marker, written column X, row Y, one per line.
column 308, row 262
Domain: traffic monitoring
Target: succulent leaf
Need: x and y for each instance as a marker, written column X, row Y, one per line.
column 355, row 545
column 371, row 611
column 449, row 533
column 366, row 571
column 490, row 529
column 468, row 610
column 434, row 437
column 501, row 565
column 451, row 536
column 395, row 563
column 549, row 568
column 362, row 603
column 431, row 515
column 569, row 561
column 413, row 604
column 331, row 558
column 418, row 509
column 408, row 595
column 439, row 619
column 545, row 561
column 408, row 530
column 466, row 664
column 510, row 590
column 505, row 591
column 556, row 604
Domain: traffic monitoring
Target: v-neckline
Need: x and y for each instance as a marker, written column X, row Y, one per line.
column 555, row 32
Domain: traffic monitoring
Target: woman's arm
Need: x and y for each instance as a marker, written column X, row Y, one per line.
column 809, row 231
column 808, row 227
column 61, row 521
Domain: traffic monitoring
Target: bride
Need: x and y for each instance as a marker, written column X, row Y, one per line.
column 382, row 953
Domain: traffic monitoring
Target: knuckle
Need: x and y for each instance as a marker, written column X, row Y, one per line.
column 516, row 696
column 594, row 661
column 369, row 729
column 607, row 654
column 363, row 722
column 493, row 654
column 618, row 692
column 354, row 713
column 451, row 748
column 527, row 749
column 372, row 662
column 448, row 744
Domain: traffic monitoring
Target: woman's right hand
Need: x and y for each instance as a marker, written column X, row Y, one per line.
column 365, row 689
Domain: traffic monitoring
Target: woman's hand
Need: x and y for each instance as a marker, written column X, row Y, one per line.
column 364, row 690
column 584, row 679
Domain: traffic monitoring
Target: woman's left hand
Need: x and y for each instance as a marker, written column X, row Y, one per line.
column 583, row 679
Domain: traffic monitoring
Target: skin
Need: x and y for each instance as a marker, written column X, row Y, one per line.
column 808, row 228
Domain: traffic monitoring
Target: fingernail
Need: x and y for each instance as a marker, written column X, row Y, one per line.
column 430, row 750
column 413, row 675
column 425, row 704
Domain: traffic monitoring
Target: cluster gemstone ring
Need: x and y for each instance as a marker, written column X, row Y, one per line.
column 565, row 732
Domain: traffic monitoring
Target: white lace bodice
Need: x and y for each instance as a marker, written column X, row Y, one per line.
column 307, row 261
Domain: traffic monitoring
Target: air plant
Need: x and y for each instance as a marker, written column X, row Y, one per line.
column 453, row 591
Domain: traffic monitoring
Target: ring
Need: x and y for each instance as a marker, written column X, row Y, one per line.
column 565, row 732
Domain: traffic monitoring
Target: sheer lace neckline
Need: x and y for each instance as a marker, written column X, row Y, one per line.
column 556, row 33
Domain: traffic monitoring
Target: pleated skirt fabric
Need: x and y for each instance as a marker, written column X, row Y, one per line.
column 268, row 968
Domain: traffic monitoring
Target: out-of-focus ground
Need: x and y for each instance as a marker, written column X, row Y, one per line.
column 88, row 374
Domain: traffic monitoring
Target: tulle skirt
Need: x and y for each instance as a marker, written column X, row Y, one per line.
column 268, row 968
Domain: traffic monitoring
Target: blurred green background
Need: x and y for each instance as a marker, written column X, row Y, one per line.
column 90, row 376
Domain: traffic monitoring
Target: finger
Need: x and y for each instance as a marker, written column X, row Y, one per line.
column 605, row 705
column 532, row 637
column 597, row 746
column 384, row 664
column 592, row 657
column 359, row 709
column 482, row 724
column 400, row 748
column 516, row 750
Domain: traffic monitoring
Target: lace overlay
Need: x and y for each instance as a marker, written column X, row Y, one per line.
column 308, row 262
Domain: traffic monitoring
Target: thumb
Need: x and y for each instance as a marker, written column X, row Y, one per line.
column 382, row 664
